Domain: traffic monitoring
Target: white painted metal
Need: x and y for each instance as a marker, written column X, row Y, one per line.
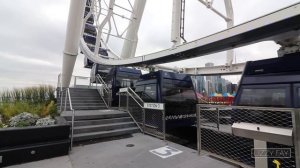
column 229, row 18
column 176, row 19
column 129, row 46
column 230, row 24
column 260, row 162
column 208, row 4
column 210, row 41
column 73, row 32
column 102, row 24
column 214, row 70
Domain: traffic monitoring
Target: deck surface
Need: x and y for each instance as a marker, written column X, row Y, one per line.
column 115, row 154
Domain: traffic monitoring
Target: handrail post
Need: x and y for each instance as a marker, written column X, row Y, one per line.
column 61, row 100
column 296, row 133
column 164, row 124
column 119, row 100
column 218, row 118
column 72, row 129
column 127, row 101
column 144, row 120
column 66, row 101
column 198, row 128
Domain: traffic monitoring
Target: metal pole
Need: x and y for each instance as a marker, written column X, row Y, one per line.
column 127, row 101
column 218, row 118
column 61, row 100
column 66, row 100
column 144, row 120
column 120, row 100
column 164, row 124
column 72, row 129
column 198, row 128
column 296, row 133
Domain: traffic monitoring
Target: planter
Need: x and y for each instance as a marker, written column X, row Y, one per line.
column 26, row 144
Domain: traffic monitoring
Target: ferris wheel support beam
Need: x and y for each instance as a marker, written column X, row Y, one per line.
column 73, row 32
column 230, row 24
column 229, row 18
column 176, row 19
column 129, row 45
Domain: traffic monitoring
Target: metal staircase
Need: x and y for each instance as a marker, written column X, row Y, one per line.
column 95, row 124
column 87, row 111
column 84, row 99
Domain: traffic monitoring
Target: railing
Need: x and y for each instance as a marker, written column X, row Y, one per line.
column 104, row 91
column 67, row 100
column 234, row 132
column 73, row 115
column 65, row 92
column 149, row 117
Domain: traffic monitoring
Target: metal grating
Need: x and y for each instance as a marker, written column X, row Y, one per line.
column 216, row 135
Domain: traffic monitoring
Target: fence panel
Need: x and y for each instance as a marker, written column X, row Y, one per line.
column 155, row 123
column 215, row 133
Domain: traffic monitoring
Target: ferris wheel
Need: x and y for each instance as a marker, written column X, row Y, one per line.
column 107, row 33
column 110, row 31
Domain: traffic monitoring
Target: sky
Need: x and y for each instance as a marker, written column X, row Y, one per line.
column 32, row 35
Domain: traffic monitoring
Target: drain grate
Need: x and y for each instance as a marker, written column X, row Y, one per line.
column 130, row 145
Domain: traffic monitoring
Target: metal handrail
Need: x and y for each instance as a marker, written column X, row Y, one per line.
column 279, row 109
column 73, row 115
column 140, row 99
column 135, row 100
column 105, row 89
column 102, row 81
column 143, row 108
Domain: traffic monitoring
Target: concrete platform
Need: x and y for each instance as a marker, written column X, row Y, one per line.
column 116, row 154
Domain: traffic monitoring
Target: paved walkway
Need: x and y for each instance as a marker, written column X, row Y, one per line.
column 117, row 154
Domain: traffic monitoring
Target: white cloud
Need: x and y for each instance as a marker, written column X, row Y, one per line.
column 26, row 60
column 33, row 32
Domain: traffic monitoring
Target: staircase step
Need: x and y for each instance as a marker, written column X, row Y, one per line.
column 83, row 101
column 102, row 121
column 94, row 114
column 105, row 134
column 103, row 127
column 87, row 107
column 83, row 104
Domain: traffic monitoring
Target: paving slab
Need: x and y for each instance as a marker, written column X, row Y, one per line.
column 131, row 152
column 116, row 154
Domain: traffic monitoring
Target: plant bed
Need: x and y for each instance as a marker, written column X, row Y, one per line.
column 32, row 143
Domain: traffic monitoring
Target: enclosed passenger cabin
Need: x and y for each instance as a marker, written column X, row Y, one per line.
column 273, row 83
column 173, row 89
column 98, row 69
column 121, row 77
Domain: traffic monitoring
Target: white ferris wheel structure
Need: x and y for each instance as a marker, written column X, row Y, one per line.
column 96, row 25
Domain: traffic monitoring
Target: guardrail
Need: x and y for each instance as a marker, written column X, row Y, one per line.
column 149, row 117
column 236, row 133
column 104, row 91
column 66, row 94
